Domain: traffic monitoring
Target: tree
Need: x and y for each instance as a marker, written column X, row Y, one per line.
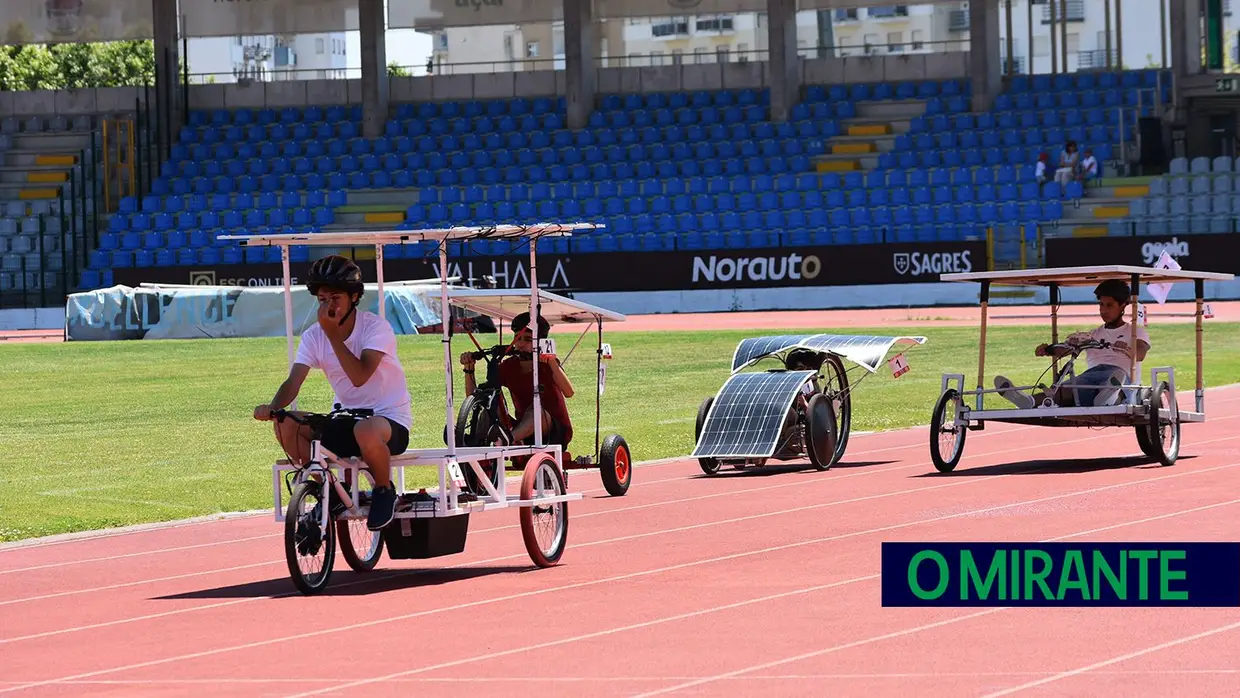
column 394, row 70
column 76, row 66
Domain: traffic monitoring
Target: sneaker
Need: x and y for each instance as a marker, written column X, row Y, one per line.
column 1013, row 396
column 382, row 507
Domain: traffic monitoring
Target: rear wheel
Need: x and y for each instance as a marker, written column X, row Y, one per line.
column 820, row 435
column 360, row 546
column 947, row 434
column 309, row 550
column 835, row 387
column 1164, row 432
column 544, row 527
column 615, row 466
column 710, row 466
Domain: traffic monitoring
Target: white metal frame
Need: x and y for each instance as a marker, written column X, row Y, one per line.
column 1054, row 278
column 446, row 460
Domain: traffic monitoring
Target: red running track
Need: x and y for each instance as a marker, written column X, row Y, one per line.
column 763, row 582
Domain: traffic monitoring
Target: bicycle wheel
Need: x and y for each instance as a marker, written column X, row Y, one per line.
column 355, row 537
column 542, row 479
column 305, row 541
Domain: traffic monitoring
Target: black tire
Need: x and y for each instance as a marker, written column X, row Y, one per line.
column 946, row 408
column 370, row 543
column 473, row 428
column 710, row 466
column 1164, row 434
column 1143, row 440
column 615, row 465
column 820, row 436
column 305, row 496
column 835, row 386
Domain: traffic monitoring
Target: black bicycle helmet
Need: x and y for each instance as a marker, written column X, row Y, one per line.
column 522, row 321
column 1113, row 288
column 335, row 272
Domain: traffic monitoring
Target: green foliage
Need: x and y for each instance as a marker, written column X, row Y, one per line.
column 395, row 70
column 76, row 66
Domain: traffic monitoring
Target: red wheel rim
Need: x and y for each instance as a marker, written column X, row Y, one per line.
column 622, row 463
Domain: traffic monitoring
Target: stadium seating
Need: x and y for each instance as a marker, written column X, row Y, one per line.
column 663, row 170
column 1201, row 196
column 38, row 153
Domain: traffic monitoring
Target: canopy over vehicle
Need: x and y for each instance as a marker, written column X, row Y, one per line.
column 1151, row 410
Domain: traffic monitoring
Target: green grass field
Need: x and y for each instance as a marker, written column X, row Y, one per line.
column 108, row 434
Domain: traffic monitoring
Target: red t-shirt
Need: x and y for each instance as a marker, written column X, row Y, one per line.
column 521, row 385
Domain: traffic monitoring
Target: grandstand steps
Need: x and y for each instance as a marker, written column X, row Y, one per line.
column 51, row 143
column 892, row 110
column 40, row 158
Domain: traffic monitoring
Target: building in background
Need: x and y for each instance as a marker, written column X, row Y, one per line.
column 268, row 58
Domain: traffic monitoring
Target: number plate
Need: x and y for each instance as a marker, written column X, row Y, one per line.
column 454, row 472
column 899, row 365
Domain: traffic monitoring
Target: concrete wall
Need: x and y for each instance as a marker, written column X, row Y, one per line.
column 106, row 100
column 708, row 76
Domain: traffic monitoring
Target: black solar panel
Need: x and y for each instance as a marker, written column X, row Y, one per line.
column 757, row 347
column 866, row 350
column 748, row 414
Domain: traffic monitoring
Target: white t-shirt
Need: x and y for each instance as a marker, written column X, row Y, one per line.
column 1089, row 166
column 1040, row 169
column 387, row 392
column 1113, row 357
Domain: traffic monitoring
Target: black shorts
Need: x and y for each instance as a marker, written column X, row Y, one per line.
column 338, row 438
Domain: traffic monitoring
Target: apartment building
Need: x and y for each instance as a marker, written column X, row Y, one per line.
column 268, row 58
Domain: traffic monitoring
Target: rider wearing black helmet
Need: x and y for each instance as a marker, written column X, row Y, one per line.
column 356, row 349
column 1108, row 367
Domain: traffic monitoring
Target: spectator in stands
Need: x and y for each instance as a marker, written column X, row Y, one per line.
column 1039, row 171
column 1089, row 166
column 1069, row 163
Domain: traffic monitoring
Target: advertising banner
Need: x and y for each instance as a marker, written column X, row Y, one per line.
column 681, row 270
column 1199, row 252
column 251, row 17
column 212, row 312
column 431, row 14
column 74, row 21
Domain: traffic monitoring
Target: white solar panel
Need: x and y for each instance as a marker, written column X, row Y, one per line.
column 748, row 415
column 754, row 348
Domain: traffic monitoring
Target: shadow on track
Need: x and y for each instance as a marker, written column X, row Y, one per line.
column 1053, row 466
column 378, row 581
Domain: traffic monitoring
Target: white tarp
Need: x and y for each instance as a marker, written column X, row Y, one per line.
column 212, row 312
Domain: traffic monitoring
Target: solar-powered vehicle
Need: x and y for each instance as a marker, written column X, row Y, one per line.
column 429, row 522
column 801, row 407
column 1152, row 410
column 484, row 417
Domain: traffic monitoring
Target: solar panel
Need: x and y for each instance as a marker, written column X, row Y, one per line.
column 755, row 348
column 866, row 350
column 748, row 415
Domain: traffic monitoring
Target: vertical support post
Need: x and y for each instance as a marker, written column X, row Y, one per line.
column 784, row 64
column 1054, row 289
column 1132, row 336
column 1054, row 10
column 379, row 280
column 1063, row 34
column 1199, row 392
column 1107, row 30
column 288, row 310
column 94, row 189
column 445, row 316
column 580, row 73
column 107, row 163
column 1162, row 30
column 1119, row 33
column 1010, row 65
column 1214, row 34
column 981, row 350
column 534, row 313
column 372, row 38
column 1029, row 26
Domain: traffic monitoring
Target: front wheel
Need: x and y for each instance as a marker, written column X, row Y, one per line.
column 835, row 387
column 544, row 527
column 309, row 550
column 710, row 466
column 1164, row 432
column 615, row 466
column 947, row 434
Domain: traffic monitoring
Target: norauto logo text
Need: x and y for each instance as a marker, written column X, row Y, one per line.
column 919, row 263
column 792, row 266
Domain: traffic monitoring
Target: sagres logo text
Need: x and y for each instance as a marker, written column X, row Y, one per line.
column 920, row 263
column 792, row 266
column 1151, row 251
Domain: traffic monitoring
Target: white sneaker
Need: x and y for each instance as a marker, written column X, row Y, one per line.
column 1021, row 400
